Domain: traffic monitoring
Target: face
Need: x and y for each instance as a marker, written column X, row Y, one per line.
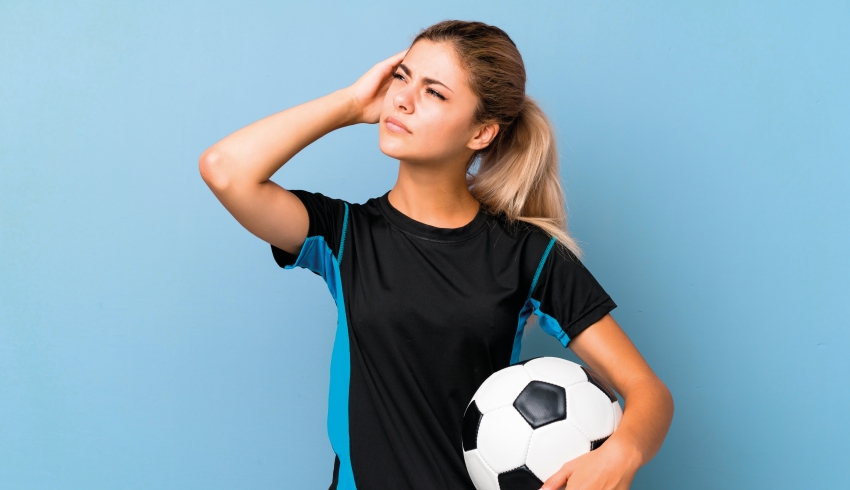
column 430, row 97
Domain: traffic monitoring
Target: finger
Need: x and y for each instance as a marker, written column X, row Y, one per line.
column 396, row 58
column 559, row 479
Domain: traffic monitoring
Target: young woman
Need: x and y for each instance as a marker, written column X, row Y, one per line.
column 435, row 279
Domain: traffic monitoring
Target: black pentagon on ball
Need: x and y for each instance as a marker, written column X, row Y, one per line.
column 519, row 479
column 542, row 403
column 595, row 444
column 471, row 421
column 599, row 383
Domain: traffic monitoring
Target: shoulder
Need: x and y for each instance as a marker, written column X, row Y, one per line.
column 530, row 237
column 319, row 202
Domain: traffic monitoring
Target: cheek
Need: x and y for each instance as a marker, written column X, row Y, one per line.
column 438, row 134
column 444, row 131
column 387, row 104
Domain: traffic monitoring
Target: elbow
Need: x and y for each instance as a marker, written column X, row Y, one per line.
column 657, row 390
column 666, row 398
column 214, row 169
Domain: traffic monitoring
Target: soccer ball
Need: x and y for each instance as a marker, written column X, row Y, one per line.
column 527, row 420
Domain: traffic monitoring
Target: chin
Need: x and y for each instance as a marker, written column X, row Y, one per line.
column 393, row 149
column 404, row 150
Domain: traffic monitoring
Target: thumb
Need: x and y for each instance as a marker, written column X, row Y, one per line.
column 559, row 480
column 397, row 58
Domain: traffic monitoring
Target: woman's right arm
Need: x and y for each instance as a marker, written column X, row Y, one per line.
column 237, row 169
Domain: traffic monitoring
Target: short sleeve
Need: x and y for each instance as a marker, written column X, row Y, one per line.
column 566, row 297
column 326, row 216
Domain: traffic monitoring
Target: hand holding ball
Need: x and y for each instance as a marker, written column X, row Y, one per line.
column 527, row 420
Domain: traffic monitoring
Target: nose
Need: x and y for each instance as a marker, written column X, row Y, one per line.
column 403, row 100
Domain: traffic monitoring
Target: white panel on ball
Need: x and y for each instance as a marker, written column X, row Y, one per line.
column 553, row 445
column 503, row 438
column 555, row 370
column 618, row 414
column 501, row 388
column 482, row 476
column 590, row 410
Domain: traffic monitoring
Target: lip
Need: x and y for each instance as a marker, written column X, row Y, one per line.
column 395, row 125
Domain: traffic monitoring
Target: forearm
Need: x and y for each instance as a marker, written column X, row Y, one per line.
column 646, row 419
column 254, row 153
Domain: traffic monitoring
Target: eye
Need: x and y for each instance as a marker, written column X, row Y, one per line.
column 434, row 92
column 428, row 90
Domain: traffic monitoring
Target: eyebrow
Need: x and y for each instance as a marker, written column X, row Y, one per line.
column 428, row 81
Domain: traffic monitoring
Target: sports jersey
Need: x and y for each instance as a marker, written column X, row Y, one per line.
column 424, row 316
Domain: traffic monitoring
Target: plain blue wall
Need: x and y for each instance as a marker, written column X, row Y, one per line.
column 148, row 341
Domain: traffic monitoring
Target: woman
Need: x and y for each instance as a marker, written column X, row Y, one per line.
column 435, row 279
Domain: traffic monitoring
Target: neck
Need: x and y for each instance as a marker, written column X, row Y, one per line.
column 434, row 196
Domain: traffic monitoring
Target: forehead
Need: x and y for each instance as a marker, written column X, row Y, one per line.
column 437, row 61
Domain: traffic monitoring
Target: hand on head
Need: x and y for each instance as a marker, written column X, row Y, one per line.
column 367, row 93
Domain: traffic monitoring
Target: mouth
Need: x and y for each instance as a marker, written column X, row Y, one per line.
column 396, row 126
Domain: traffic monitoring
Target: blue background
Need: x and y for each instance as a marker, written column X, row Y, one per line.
column 147, row 340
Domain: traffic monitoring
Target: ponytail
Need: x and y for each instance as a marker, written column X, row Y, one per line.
column 518, row 175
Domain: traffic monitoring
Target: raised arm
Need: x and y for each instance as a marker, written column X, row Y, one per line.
column 606, row 349
column 237, row 169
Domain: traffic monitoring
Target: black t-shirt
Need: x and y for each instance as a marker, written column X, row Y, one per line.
column 425, row 315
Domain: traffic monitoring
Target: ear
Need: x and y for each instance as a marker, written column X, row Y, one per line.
column 483, row 136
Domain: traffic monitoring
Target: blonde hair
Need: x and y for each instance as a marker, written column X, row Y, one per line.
column 518, row 173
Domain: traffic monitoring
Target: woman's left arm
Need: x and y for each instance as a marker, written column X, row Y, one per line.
column 647, row 415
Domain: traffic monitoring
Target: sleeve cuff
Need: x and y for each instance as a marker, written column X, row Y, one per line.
column 592, row 316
